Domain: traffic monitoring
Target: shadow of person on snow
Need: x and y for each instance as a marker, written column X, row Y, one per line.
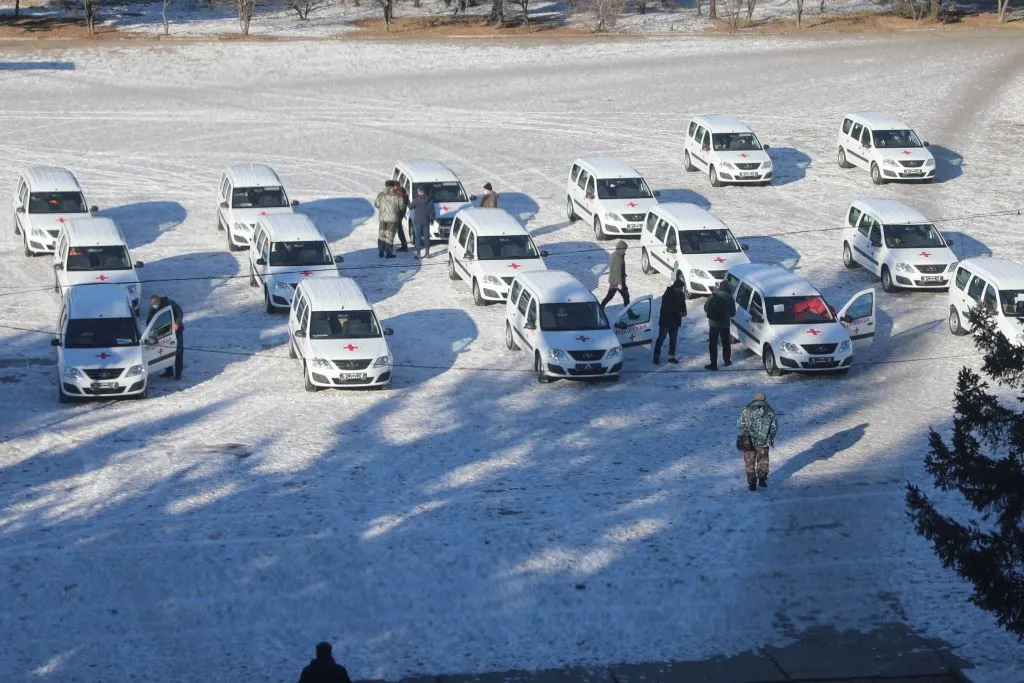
column 820, row 450
column 143, row 223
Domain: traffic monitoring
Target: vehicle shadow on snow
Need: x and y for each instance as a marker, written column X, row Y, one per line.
column 143, row 223
column 822, row 449
column 771, row 250
column 587, row 261
column 948, row 164
column 788, row 165
column 418, row 360
column 337, row 217
column 520, row 205
column 209, row 272
column 383, row 278
column 964, row 246
column 685, row 196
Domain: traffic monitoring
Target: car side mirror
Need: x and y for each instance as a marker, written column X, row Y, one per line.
column 657, row 193
column 472, row 197
column 295, row 202
column 339, row 259
column 300, row 334
column 545, row 254
column 20, row 209
column 757, row 318
column 745, row 247
column 621, row 325
column 469, row 256
column 388, row 331
column 846, row 319
column 766, row 147
column 705, row 148
column 260, row 262
column 590, row 195
column 530, row 326
column 949, row 242
column 55, row 342
column 876, row 243
column 93, row 208
column 139, row 264
column 927, row 144
column 58, row 266
column 223, row 205
column 670, row 250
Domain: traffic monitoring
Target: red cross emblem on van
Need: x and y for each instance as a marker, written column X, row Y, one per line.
column 718, row 259
column 813, row 332
column 444, row 207
column 581, row 338
column 306, row 273
column 102, row 278
column 632, row 205
column 61, row 219
column 514, row 266
column 350, row 347
column 103, row 356
column 263, row 213
column 925, row 254
column 906, row 152
column 743, row 156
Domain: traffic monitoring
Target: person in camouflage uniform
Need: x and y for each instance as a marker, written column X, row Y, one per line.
column 757, row 420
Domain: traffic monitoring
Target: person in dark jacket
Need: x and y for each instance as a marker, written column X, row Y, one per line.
column 720, row 308
column 617, row 275
column 324, row 669
column 157, row 304
column 423, row 215
column 490, row 198
column 400, row 191
column 758, row 422
column 673, row 310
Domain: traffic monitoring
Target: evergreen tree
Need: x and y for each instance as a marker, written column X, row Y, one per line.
column 983, row 462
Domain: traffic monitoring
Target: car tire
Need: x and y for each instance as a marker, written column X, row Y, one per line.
column 687, row 163
column 17, row 228
column 645, row 262
column 28, row 252
column 271, row 308
column 61, row 396
column 687, row 294
column 220, row 223
column 538, row 367
column 291, row 349
column 955, row 325
column 307, row 383
column 452, row 273
column 478, row 298
column 771, row 366
column 570, row 212
column 876, row 175
column 765, row 183
column 510, row 340
column 843, row 163
column 843, row 372
column 848, row 256
column 144, row 395
column 887, row 282
column 599, row 230
column 713, row 177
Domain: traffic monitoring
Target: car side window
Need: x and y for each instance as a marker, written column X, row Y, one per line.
column 962, row 277
column 743, row 296
column 652, row 220
column 847, row 125
column 990, row 299
column 582, row 180
column 672, row 243
column 517, row 287
column 854, row 216
column 456, row 228
column 976, row 288
column 699, row 135
column 707, row 141
column 876, row 233
column 692, row 129
column 865, row 225
column 466, row 239
column 855, row 131
column 659, row 234
column 756, row 306
column 865, row 137
column 590, row 185
column 574, row 173
column 394, row 174
column 531, row 317
column 734, row 282
column 524, row 303
column 162, row 324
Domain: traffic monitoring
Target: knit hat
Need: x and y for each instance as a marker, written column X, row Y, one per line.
column 487, row 186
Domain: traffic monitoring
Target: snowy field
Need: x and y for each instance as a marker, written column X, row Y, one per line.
column 472, row 519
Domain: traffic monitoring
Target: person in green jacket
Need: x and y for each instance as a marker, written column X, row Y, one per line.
column 720, row 309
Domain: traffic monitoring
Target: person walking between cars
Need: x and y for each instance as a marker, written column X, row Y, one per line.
column 389, row 206
column 757, row 426
column 720, row 309
column 400, row 191
column 157, row 304
column 324, row 669
column 490, row 198
column 617, row 275
column 422, row 208
column 673, row 310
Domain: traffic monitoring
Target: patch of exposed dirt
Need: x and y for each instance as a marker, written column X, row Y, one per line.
column 863, row 22
column 462, row 27
column 57, row 27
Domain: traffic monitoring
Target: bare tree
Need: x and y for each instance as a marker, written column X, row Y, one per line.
column 497, row 15
column 799, row 12
column 821, row 7
column 246, row 10
column 92, row 8
column 1002, row 6
column 17, row 8
column 698, row 8
column 525, row 5
column 607, row 13
column 163, row 15
column 713, row 9
column 750, row 9
column 642, row 6
column 389, row 12
column 304, row 8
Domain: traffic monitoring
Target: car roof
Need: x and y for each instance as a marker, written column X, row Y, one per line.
column 99, row 301
column 51, row 179
column 890, row 211
column 252, row 175
column 427, row 171
column 689, row 216
column 877, row 120
column 718, row 123
column 334, row 294
column 93, row 232
column 1009, row 274
column 774, row 280
column 556, row 286
column 491, row 221
column 291, row 227
column 609, row 167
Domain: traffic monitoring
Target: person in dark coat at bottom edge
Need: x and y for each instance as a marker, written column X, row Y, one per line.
column 617, row 275
column 157, row 304
column 673, row 310
column 758, row 422
column 720, row 308
column 324, row 669
column 422, row 207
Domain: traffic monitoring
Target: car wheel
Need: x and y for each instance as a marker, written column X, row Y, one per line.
column 271, row 308
column 510, row 340
column 843, row 163
column 570, row 212
column 452, row 274
column 17, row 228
column 887, row 283
column 598, row 230
column 848, row 256
column 687, row 164
column 713, row 175
column 687, row 294
column 843, row 372
column 220, row 223
column 28, row 252
column 876, row 175
column 955, row 326
column 291, row 349
column 61, row 396
column 768, row 359
column 645, row 262
column 307, row 383
column 144, row 395
column 538, row 367
column 478, row 299
column 231, row 245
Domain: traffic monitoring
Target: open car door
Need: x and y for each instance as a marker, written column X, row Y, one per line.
column 858, row 317
column 159, row 343
column 633, row 326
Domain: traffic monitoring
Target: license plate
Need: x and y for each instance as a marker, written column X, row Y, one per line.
column 104, row 385
column 932, row 278
column 913, row 173
column 634, row 226
column 820, row 360
column 353, row 375
column 589, row 366
column 748, row 175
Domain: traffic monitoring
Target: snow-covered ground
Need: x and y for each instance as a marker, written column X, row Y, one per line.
column 219, row 529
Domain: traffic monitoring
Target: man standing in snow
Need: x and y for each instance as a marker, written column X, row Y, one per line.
column 490, row 198
column 390, row 206
column 324, row 669
column 400, row 191
column 157, row 304
column 422, row 208
column 673, row 310
column 758, row 423
column 617, row 275
column 720, row 309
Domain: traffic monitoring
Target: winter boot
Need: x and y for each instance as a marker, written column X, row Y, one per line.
column 763, row 481
column 673, row 359
column 710, row 367
column 751, row 483
column 657, row 360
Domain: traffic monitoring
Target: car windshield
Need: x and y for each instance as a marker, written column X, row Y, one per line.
column 572, row 317
column 798, row 310
column 895, row 138
column 98, row 258
column 343, row 325
column 101, row 333
column 735, row 142
column 300, row 254
column 913, row 237
column 707, row 242
column 56, row 202
column 505, row 247
column 1012, row 301
column 258, row 198
column 622, row 188
column 442, row 191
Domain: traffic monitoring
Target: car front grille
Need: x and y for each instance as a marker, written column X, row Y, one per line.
column 587, row 355
column 349, row 365
column 105, row 373
column 102, row 392
column 352, row 380
column 932, row 270
column 749, row 167
column 53, row 233
column 819, row 349
column 633, row 217
column 912, row 164
column 444, row 222
column 820, row 366
column 717, row 274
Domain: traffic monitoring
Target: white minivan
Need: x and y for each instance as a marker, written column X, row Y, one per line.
column 610, row 194
column 488, row 248
column 685, row 242
column 92, row 251
column 287, row 248
column 551, row 315
column 997, row 284
column 783, row 319
column 727, row 150
column 333, row 330
column 439, row 183
column 898, row 244
column 884, row 146
column 46, row 198
column 247, row 192
column 101, row 350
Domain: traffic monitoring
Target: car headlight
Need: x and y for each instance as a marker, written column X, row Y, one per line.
column 767, row 164
column 726, row 164
column 38, row 232
column 242, row 227
column 612, row 216
column 492, row 280
column 614, row 352
column 322, row 363
column 73, row 373
column 556, row 354
column 904, row 267
column 952, row 267
column 282, row 286
column 845, row 345
column 134, row 370
column 890, row 162
column 930, row 162
column 787, row 347
column 382, row 361
column 698, row 273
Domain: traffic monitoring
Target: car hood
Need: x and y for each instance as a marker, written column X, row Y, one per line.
column 710, row 262
column 110, row 277
column 587, row 340
column 250, row 216
column 926, row 256
column 904, row 153
column 449, row 209
column 621, row 206
column 53, row 221
column 827, row 333
column 757, row 156
column 512, row 267
column 300, row 273
column 117, row 357
column 339, row 349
